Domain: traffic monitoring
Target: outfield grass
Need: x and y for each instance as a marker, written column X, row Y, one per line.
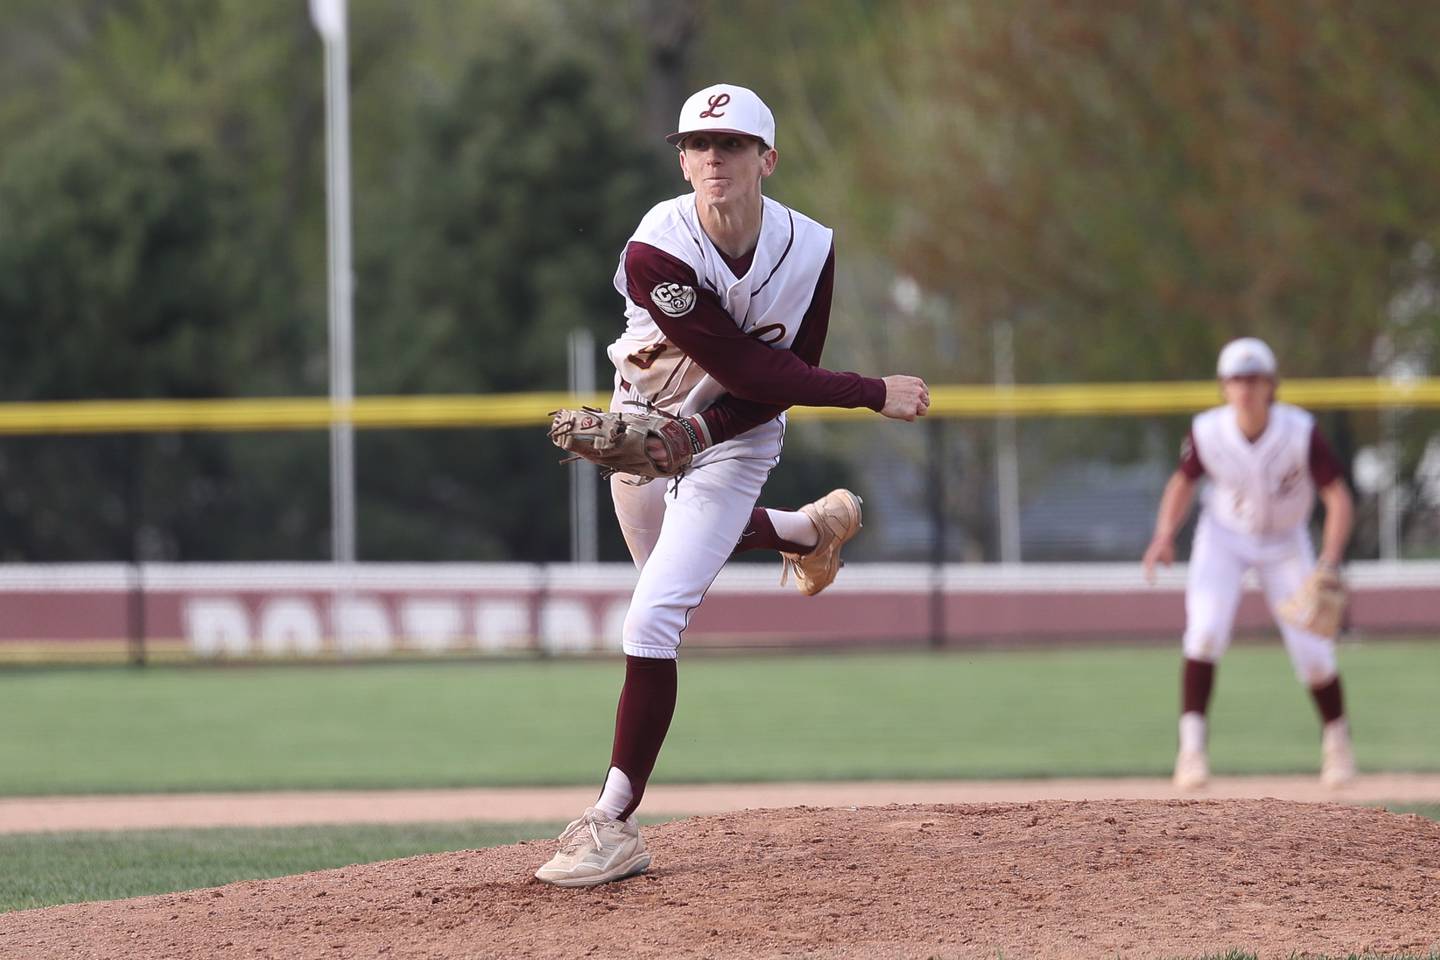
column 910, row 715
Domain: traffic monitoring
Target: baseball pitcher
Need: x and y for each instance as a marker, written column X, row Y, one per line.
column 727, row 303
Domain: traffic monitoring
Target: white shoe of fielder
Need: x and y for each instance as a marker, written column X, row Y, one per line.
column 836, row 517
column 1192, row 770
column 596, row 849
column 1337, row 757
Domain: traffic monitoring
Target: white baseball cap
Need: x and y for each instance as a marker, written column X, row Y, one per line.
column 1246, row 357
column 725, row 108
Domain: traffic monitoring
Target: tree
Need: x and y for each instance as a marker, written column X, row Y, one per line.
column 168, row 240
column 117, row 279
column 503, row 237
column 1128, row 186
column 1135, row 186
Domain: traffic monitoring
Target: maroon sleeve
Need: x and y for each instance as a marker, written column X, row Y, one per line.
column 1325, row 467
column 1190, row 464
column 744, row 366
column 731, row 416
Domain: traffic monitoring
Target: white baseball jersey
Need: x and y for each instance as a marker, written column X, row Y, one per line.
column 1261, row 488
column 767, row 303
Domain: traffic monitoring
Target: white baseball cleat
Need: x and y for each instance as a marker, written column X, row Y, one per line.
column 1337, row 757
column 836, row 517
column 1192, row 770
column 596, row 849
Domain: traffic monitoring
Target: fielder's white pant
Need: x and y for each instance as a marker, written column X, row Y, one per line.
column 1218, row 563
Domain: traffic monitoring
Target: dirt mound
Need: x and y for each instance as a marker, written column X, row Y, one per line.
column 1141, row 878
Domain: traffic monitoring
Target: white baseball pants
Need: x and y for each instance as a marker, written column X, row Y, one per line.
column 680, row 534
column 1218, row 563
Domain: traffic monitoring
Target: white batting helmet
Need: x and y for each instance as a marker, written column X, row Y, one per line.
column 725, row 108
column 1248, row 356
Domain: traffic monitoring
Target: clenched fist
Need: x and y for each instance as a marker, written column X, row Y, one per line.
column 905, row 398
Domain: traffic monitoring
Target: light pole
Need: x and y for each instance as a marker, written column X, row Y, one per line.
column 1007, row 456
column 329, row 17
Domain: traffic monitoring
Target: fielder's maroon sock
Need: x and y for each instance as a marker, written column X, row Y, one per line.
column 760, row 535
column 647, row 702
column 1329, row 700
column 1197, row 678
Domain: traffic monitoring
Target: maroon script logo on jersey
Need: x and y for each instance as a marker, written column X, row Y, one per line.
column 770, row 334
column 716, row 102
column 673, row 299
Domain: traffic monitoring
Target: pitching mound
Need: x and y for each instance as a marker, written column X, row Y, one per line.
column 1051, row 879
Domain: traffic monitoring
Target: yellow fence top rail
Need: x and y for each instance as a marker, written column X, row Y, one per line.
column 531, row 409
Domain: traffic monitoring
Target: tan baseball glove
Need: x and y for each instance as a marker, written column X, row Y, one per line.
column 1318, row 605
column 620, row 442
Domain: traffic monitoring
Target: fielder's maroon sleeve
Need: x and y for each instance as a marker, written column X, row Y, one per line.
column 1190, row 464
column 745, row 367
column 1325, row 467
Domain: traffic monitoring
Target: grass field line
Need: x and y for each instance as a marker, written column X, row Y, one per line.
column 511, row 804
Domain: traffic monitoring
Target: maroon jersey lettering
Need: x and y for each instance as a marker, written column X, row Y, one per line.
column 645, row 357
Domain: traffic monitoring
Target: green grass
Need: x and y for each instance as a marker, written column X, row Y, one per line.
column 909, row 715
column 44, row 869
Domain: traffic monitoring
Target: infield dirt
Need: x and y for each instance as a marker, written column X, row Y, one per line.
column 1127, row 878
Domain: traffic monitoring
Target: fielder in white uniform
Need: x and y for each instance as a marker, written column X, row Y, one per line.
column 727, row 303
column 1265, row 462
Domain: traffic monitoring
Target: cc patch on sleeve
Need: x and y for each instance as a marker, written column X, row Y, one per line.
column 673, row 299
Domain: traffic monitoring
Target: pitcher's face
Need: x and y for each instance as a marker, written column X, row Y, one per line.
column 725, row 167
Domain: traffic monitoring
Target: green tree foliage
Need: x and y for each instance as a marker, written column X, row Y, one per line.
column 152, row 242
column 1133, row 186
column 1129, row 186
column 164, row 236
column 117, row 280
column 506, row 228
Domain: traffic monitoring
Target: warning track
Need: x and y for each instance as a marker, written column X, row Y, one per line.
column 130, row 812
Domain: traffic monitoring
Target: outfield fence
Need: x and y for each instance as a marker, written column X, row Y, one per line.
column 299, row 612
column 1021, row 475
column 1033, row 472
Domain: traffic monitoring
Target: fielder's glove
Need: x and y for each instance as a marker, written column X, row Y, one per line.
column 618, row 442
column 1318, row 605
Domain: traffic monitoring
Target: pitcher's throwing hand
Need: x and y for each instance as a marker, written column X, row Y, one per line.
column 905, row 397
